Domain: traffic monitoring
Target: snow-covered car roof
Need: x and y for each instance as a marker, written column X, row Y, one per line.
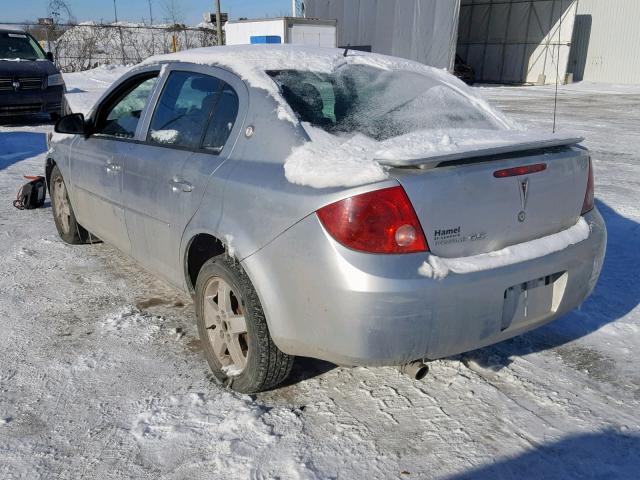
column 251, row 62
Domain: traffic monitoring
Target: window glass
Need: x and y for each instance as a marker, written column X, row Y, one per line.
column 222, row 121
column 378, row 103
column 183, row 109
column 123, row 117
column 19, row 45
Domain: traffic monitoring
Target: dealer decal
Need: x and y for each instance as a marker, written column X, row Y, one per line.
column 445, row 236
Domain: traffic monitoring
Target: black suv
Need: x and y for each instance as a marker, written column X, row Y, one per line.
column 29, row 81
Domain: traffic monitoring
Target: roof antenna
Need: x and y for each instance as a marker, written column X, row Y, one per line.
column 346, row 50
column 555, row 100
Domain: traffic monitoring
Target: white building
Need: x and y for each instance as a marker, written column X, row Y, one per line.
column 506, row 41
column 301, row 31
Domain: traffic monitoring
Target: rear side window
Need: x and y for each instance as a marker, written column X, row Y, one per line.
column 222, row 121
column 184, row 109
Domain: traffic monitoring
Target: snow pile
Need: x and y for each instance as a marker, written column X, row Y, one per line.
column 165, row 136
column 84, row 89
column 332, row 161
column 337, row 161
column 438, row 267
column 251, row 62
column 343, row 161
column 427, row 144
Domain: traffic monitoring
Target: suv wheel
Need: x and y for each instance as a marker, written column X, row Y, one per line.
column 234, row 331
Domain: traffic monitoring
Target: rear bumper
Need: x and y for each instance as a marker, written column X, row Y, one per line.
column 325, row 301
column 37, row 101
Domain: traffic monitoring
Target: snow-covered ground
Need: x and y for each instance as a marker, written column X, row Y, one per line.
column 102, row 375
column 85, row 88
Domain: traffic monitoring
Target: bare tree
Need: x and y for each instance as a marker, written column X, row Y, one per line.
column 173, row 11
column 60, row 11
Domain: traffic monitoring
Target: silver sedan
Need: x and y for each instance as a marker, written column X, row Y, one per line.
column 350, row 207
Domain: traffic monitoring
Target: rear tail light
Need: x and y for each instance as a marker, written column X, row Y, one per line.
column 588, row 205
column 382, row 221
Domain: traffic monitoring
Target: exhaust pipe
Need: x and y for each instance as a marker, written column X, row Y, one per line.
column 417, row 369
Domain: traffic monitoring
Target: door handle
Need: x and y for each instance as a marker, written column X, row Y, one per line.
column 112, row 168
column 180, row 186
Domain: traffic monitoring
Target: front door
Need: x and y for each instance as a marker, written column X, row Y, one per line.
column 97, row 161
column 166, row 175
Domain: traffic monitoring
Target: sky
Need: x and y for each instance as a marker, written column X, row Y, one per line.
column 136, row 10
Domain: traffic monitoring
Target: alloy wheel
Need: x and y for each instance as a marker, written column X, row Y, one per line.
column 61, row 207
column 223, row 312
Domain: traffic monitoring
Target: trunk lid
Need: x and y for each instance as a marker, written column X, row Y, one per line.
column 464, row 210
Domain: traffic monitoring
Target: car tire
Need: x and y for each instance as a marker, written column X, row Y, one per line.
column 224, row 294
column 68, row 227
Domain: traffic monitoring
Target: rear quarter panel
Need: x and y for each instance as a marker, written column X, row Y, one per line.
column 257, row 202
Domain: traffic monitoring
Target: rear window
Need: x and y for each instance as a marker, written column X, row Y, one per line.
column 19, row 45
column 380, row 104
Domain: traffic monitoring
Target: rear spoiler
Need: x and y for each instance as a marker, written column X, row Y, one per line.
column 469, row 152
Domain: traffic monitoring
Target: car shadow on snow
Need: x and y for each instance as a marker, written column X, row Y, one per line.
column 616, row 294
column 305, row 369
column 18, row 146
column 606, row 454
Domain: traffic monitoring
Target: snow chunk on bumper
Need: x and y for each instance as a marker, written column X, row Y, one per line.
column 438, row 267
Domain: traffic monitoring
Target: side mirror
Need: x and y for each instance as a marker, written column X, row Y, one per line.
column 50, row 56
column 73, row 124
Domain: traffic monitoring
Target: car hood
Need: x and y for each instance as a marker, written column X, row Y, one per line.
column 26, row 68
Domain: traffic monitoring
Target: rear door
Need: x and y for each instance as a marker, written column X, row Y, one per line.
column 189, row 133
column 97, row 160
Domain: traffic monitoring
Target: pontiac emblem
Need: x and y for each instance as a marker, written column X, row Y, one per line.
column 523, row 187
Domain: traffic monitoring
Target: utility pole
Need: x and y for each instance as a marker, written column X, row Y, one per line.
column 218, row 22
column 115, row 14
column 294, row 10
column 153, row 36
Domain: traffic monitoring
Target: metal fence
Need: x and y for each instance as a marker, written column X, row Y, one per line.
column 88, row 45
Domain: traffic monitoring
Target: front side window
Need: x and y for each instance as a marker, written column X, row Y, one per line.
column 19, row 45
column 184, row 109
column 121, row 118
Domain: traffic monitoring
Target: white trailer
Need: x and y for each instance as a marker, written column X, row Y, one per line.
column 296, row 30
